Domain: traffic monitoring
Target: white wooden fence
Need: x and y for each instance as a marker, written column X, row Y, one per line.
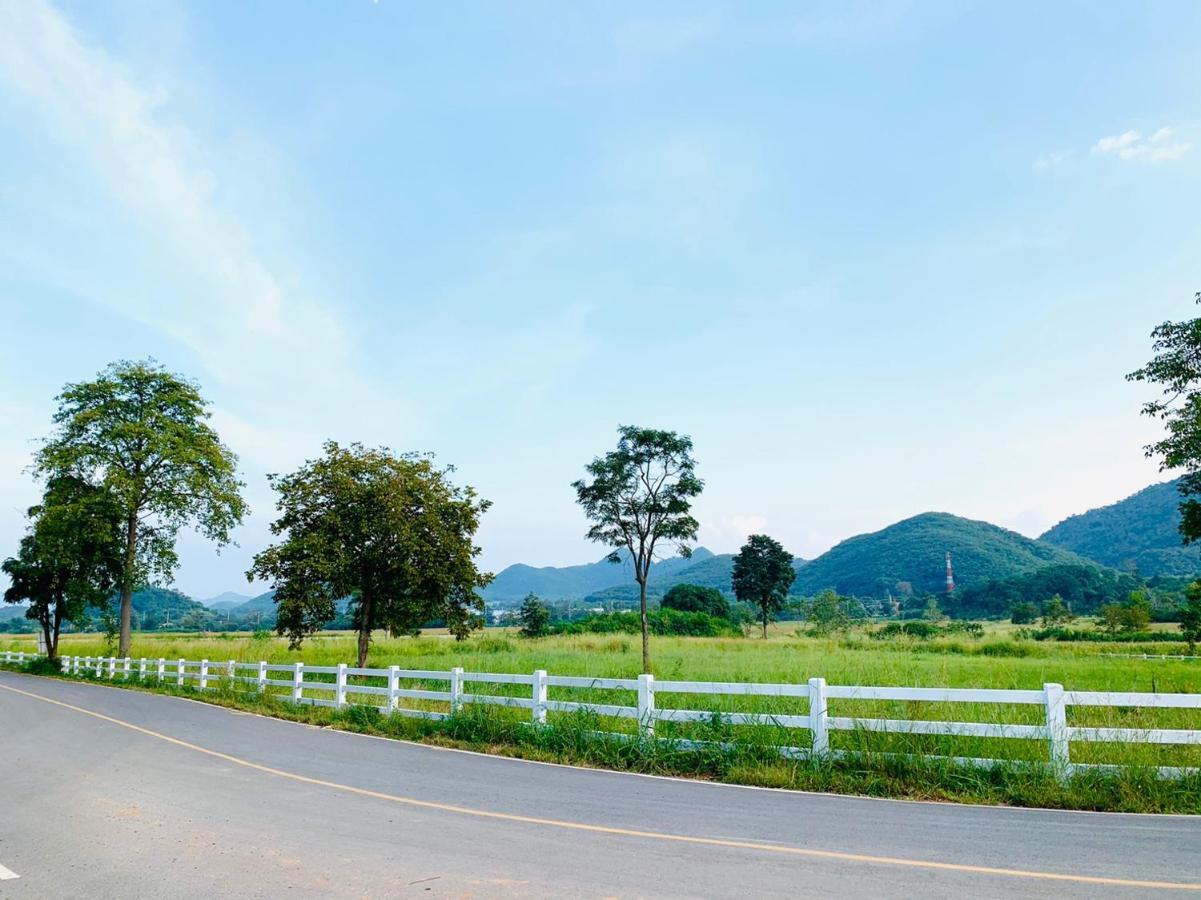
column 339, row 692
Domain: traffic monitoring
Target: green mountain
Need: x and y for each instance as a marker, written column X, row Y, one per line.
column 1140, row 532
column 913, row 552
column 575, row 582
column 711, row 571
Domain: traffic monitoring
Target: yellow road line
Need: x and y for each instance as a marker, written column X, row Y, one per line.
column 627, row 832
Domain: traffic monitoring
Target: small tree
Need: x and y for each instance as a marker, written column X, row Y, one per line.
column 1113, row 617
column 1023, row 613
column 827, row 611
column 763, row 573
column 70, row 559
column 141, row 432
column 1136, row 611
column 933, row 612
column 640, row 496
column 390, row 534
column 697, row 598
column 534, row 617
column 1056, row 612
column 1190, row 616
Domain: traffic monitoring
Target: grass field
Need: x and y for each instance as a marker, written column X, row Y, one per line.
column 997, row 660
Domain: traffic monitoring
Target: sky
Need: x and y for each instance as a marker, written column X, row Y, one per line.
column 875, row 258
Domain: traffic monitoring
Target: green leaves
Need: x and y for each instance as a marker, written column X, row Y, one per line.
column 70, row 559
column 391, row 532
column 1176, row 368
column 641, row 494
column 763, row 573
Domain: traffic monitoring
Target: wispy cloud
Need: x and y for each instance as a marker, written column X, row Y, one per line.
column 1051, row 160
column 247, row 324
column 1132, row 146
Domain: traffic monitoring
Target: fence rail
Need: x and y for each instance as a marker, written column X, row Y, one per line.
column 331, row 686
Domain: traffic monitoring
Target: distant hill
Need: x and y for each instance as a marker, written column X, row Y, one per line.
column 712, row 571
column 263, row 604
column 1138, row 532
column 914, row 551
column 227, row 600
column 576, row 582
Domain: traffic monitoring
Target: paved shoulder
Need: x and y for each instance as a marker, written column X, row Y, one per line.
column 493, row 825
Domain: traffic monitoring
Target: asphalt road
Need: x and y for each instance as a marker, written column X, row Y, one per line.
column 126, row 794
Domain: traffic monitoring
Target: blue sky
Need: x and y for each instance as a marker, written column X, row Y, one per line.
column 875, row 258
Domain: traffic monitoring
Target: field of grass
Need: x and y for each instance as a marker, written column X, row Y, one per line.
column 997, row 660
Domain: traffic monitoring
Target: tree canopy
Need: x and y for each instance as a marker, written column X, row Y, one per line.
column 697, row 598
column 142, row 433
column 1176, row 370
column 763, row 574
column 70, row 559
column 640, row 496
column 391, row 532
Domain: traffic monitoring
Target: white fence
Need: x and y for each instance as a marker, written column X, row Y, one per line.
column 300, row 685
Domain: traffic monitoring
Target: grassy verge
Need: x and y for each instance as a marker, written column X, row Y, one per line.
column 751, row 759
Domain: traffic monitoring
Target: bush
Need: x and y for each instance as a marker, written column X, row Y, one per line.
column 662, row 622
column 1023, row 613
column 698, row 599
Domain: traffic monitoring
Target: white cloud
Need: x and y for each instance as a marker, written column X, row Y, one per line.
column 1051, row 160
column 249, row 324
column 1162, row 146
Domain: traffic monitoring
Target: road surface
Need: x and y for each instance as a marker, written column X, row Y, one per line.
column 112, row 793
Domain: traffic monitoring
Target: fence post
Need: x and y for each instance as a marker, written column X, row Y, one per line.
column 125, row 670
column 393, row 687
column 231, row 672
column 297, row 682
column 179, row 672
column 819, row 724
column 204, row 674
column 456, row 689
column 142, row 668
column 112, row 667
column 340, row 687
column 646, row 705
column 1057, row 730
column 540, row 697
column 162, row 669
column 262, row 676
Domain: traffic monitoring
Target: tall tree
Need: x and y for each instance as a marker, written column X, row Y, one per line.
column 142, row 433
column 390, row 533
column 534, row 617
column 763, row 573
column 71, row 558
column 1176, row 369
column 639, row 497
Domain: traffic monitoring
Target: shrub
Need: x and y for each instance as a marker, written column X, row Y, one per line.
column 660, row 622
column 696, row 598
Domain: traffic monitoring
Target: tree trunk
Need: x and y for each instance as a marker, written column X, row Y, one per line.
column 765, row 622
column 131, row 558
column 364, row 628
column 646, row 642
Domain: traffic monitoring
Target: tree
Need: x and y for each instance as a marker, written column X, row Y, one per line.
column 1023, row 613
column 142, row 433
column 1056, row 612
column 933, row 612
column 763, row 573
column 827, row 611
column 70, row 559
column 1190, row 616
column 1113, row 617
column 534, row 617
column 640, row 496
column 1137, row 611
column 388, row 533
column 1176, row 368
column 697, row 598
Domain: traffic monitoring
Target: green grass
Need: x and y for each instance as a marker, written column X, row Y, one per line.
column 999, row 660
